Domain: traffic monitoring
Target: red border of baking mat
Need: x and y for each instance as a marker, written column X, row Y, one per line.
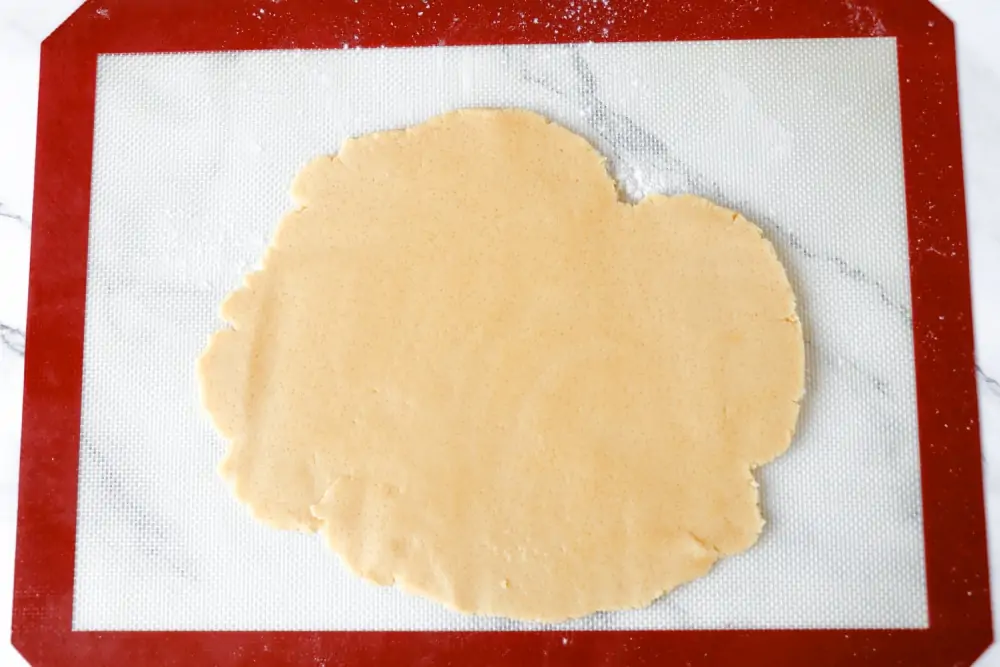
column 954, row 528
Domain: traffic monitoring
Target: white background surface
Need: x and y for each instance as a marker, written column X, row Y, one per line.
column 23, row 26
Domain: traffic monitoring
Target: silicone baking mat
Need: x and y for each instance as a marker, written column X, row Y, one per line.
column 193, row 154
column 191, row 149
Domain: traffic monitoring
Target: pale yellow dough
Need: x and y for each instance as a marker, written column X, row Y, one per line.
column 483, row 377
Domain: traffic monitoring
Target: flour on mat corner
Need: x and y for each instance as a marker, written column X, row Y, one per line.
column 103, row 12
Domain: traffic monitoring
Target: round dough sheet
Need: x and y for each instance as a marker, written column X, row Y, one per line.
column 483, row 377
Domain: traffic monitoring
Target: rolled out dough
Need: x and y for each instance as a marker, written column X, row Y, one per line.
column 483, row 377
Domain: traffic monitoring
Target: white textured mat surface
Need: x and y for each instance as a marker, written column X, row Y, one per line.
column 193, row 156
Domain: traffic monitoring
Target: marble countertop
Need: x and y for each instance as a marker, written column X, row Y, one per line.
column 24, row 25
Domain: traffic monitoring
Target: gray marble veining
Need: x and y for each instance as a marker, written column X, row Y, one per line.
column 12, row 338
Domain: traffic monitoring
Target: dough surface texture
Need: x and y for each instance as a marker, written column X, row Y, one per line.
column 483, row 377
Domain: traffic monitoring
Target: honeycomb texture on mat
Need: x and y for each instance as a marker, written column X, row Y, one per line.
column 192, row 158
